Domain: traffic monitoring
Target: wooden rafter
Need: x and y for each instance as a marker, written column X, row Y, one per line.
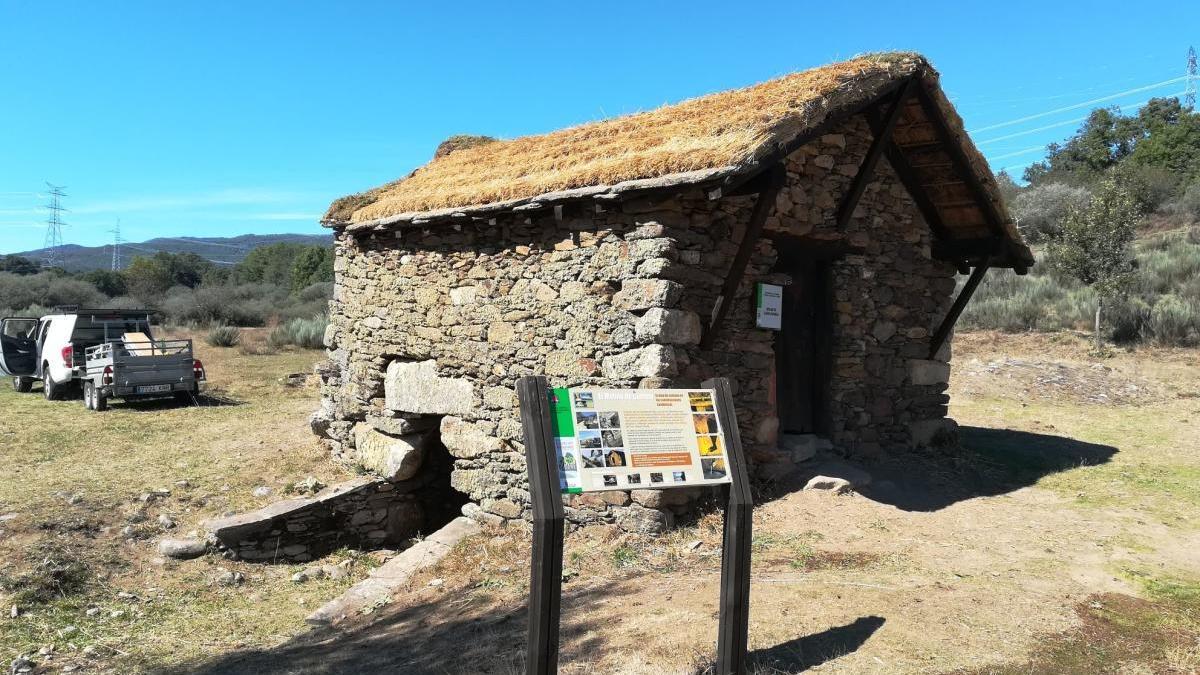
column 961, row 164
column 866, row 170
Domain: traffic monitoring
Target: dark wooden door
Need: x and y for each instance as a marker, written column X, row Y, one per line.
column 803, row 350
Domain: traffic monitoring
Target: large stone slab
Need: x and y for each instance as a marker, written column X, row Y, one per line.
column 415, row 387
column 395, row 573
column 393, row 457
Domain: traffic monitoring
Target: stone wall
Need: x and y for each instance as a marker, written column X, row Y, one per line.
column 430, row 329
column 363, row 513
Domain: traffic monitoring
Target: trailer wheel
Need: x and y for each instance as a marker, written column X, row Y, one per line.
column 99, row 401
column 88, row 390
column 22, row 385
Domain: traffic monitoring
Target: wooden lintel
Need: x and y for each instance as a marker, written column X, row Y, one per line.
column 960, row 303
column 866, row 170
column 763, row 206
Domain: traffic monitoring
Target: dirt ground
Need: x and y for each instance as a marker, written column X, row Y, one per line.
column 1061, row 539
column 1075, row 499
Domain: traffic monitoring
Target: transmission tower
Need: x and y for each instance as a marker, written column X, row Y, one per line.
column 53, row 242
column 1189, row 96
column 116, row 256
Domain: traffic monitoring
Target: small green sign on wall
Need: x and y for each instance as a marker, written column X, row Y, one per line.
column 769, row 305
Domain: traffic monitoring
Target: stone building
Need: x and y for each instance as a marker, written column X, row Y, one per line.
column 626, row 253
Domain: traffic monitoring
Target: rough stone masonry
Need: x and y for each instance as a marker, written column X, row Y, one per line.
column 430, row 328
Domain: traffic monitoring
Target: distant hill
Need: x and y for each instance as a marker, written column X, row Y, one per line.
column 219, row 249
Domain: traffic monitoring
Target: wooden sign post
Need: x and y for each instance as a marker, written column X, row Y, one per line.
column 547, row 484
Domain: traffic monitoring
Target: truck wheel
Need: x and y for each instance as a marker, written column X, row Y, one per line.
column 185, row 397
column 99, row 401
column 22, row 385
column 51, row 391
column 91, row 397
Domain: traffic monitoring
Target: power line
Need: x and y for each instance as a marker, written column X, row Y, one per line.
column 163, row 250
column 207, row 243
column 53, row 241
column 1076, row 106
column 1060, row 124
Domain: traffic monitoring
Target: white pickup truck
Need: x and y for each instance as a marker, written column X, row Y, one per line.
column 106, row 353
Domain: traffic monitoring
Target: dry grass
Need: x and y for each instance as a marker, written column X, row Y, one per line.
column 730, row 128
column 73, row 479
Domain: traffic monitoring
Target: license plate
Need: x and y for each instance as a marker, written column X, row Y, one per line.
column 153, row 388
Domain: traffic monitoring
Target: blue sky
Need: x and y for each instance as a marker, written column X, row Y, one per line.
column 225, row 118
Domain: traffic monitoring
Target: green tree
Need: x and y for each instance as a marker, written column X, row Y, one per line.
column 107, row 282
column 18, row 265
column 314, row 264
column 269, row 265
column 147, row 279
column 1096, row 243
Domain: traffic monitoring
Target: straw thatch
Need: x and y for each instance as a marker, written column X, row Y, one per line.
column 720, row 130
column 700, row 140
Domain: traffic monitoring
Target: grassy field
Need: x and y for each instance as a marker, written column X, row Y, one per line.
column 71, row 481
column 1061, row 539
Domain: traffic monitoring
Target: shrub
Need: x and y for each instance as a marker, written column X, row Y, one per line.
column 1174, row 321
column 306, row 333
column 47, row 290
column 1039, row 210
column 1188, row 204
column 224, row 336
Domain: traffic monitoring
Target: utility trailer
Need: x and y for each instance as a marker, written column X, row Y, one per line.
column 135, row 366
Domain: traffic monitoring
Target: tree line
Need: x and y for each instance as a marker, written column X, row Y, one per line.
column 282, row 280
column 1084, row 206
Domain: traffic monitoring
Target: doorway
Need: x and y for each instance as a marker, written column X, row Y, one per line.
column 804, row 345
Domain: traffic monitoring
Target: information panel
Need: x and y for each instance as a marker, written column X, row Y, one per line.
column 623, row 439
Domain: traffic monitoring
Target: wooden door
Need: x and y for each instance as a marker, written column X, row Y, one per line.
column 803, row 350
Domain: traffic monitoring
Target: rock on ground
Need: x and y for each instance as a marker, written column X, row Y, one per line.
column 182, row 549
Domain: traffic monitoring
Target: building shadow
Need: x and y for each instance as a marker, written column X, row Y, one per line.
column 989, row 462
column 452, row 635
column 809, row 651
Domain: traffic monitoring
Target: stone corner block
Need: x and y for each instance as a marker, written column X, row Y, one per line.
column 415, row 387
column 935, row 433
column 668, row 326
column 925, row 372
column 638, row 294
column 648, row 361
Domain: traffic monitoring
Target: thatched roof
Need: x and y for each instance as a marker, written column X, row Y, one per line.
column 717, row 138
